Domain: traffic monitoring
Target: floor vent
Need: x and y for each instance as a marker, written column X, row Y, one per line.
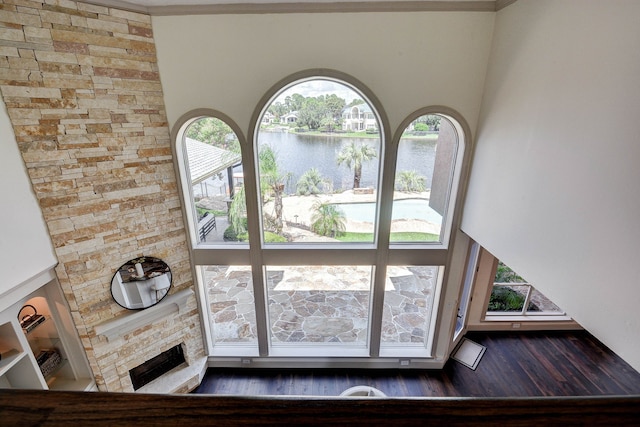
column 469, row 353
column 156, row 367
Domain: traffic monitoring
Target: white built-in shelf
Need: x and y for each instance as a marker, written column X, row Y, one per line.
column 9, row 359
column 81, row 384
column 18, row 366
column 129, row 322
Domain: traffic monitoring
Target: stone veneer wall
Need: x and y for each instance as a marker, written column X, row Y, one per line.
column 81, row 86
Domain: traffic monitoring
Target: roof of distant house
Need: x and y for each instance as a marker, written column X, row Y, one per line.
column 362, row 107
column 206, row 160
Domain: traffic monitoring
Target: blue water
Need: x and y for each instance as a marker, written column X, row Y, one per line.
column 402, row 209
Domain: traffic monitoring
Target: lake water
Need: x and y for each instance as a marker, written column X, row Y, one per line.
column 298, row 153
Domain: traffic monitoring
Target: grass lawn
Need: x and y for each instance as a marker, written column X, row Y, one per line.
column 202, row 211
column 337, row 134
column 395, row 237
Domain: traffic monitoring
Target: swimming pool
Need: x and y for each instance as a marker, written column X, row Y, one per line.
column 402, row 209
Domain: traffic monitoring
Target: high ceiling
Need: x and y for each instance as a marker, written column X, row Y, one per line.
column 168, row 7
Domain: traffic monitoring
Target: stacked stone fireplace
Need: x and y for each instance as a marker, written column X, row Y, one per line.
column 81, row 86
column 156, row 367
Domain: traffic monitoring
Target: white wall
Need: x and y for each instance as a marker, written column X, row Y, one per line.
column 25, row 246
column 555, row 184
column 409, row 60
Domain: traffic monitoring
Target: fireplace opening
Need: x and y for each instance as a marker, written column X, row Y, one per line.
column 156, row 367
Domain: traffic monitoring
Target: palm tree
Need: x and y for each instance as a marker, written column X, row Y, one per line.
column 327, row 220
column 271, row 179
column 238, row 211
column 353, row 156
column 310, row 183
column 410, row 181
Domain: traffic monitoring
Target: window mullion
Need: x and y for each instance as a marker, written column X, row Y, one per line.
column 385, row 202
column 259, row 290
column 527, row 298
column 255, row 249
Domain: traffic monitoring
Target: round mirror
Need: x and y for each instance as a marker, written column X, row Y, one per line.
column 141, row 282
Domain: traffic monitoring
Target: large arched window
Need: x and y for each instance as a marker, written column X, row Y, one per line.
column 344, row 233
column 319, row 158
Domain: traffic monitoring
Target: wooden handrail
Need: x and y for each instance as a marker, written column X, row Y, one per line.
column 61, row 408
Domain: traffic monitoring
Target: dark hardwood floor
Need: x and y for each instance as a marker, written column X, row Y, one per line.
column 524, row 379
column 519, row 364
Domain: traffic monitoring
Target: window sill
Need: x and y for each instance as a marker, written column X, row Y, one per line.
column 528, row 318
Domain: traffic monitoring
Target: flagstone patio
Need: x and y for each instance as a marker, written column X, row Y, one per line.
column 318, row 304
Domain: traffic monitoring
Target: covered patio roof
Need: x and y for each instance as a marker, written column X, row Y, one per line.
column 206, row 160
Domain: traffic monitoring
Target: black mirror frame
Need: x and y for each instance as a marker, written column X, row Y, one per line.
column 141, row 271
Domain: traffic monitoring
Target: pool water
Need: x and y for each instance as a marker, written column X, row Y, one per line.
column 402, row 209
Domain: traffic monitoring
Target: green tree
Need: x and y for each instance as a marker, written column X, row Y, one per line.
column 327, row 220
column 215, row 132
column 294, row 102
column 421, row 127
column 278, row 109
column 310, row 182
column 410, row 181
column 504, row 274
column 431, row 120
column 329, row 124
column 312, row 112
column 334, row 106
column 355, row 101
column 353, row 155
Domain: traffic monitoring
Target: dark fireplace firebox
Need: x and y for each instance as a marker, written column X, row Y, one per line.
column 156, row 367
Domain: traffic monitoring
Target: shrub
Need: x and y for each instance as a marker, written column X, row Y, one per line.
column 327, row 220
column 504, row 298
column 410, row 181
column 310, row 183
column 230, row 235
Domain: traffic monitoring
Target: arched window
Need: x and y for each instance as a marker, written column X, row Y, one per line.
column 319, row 173
column 209, row 157
column 428, row 150
column 324, row 266
column 212, row 180
column 427, row 168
